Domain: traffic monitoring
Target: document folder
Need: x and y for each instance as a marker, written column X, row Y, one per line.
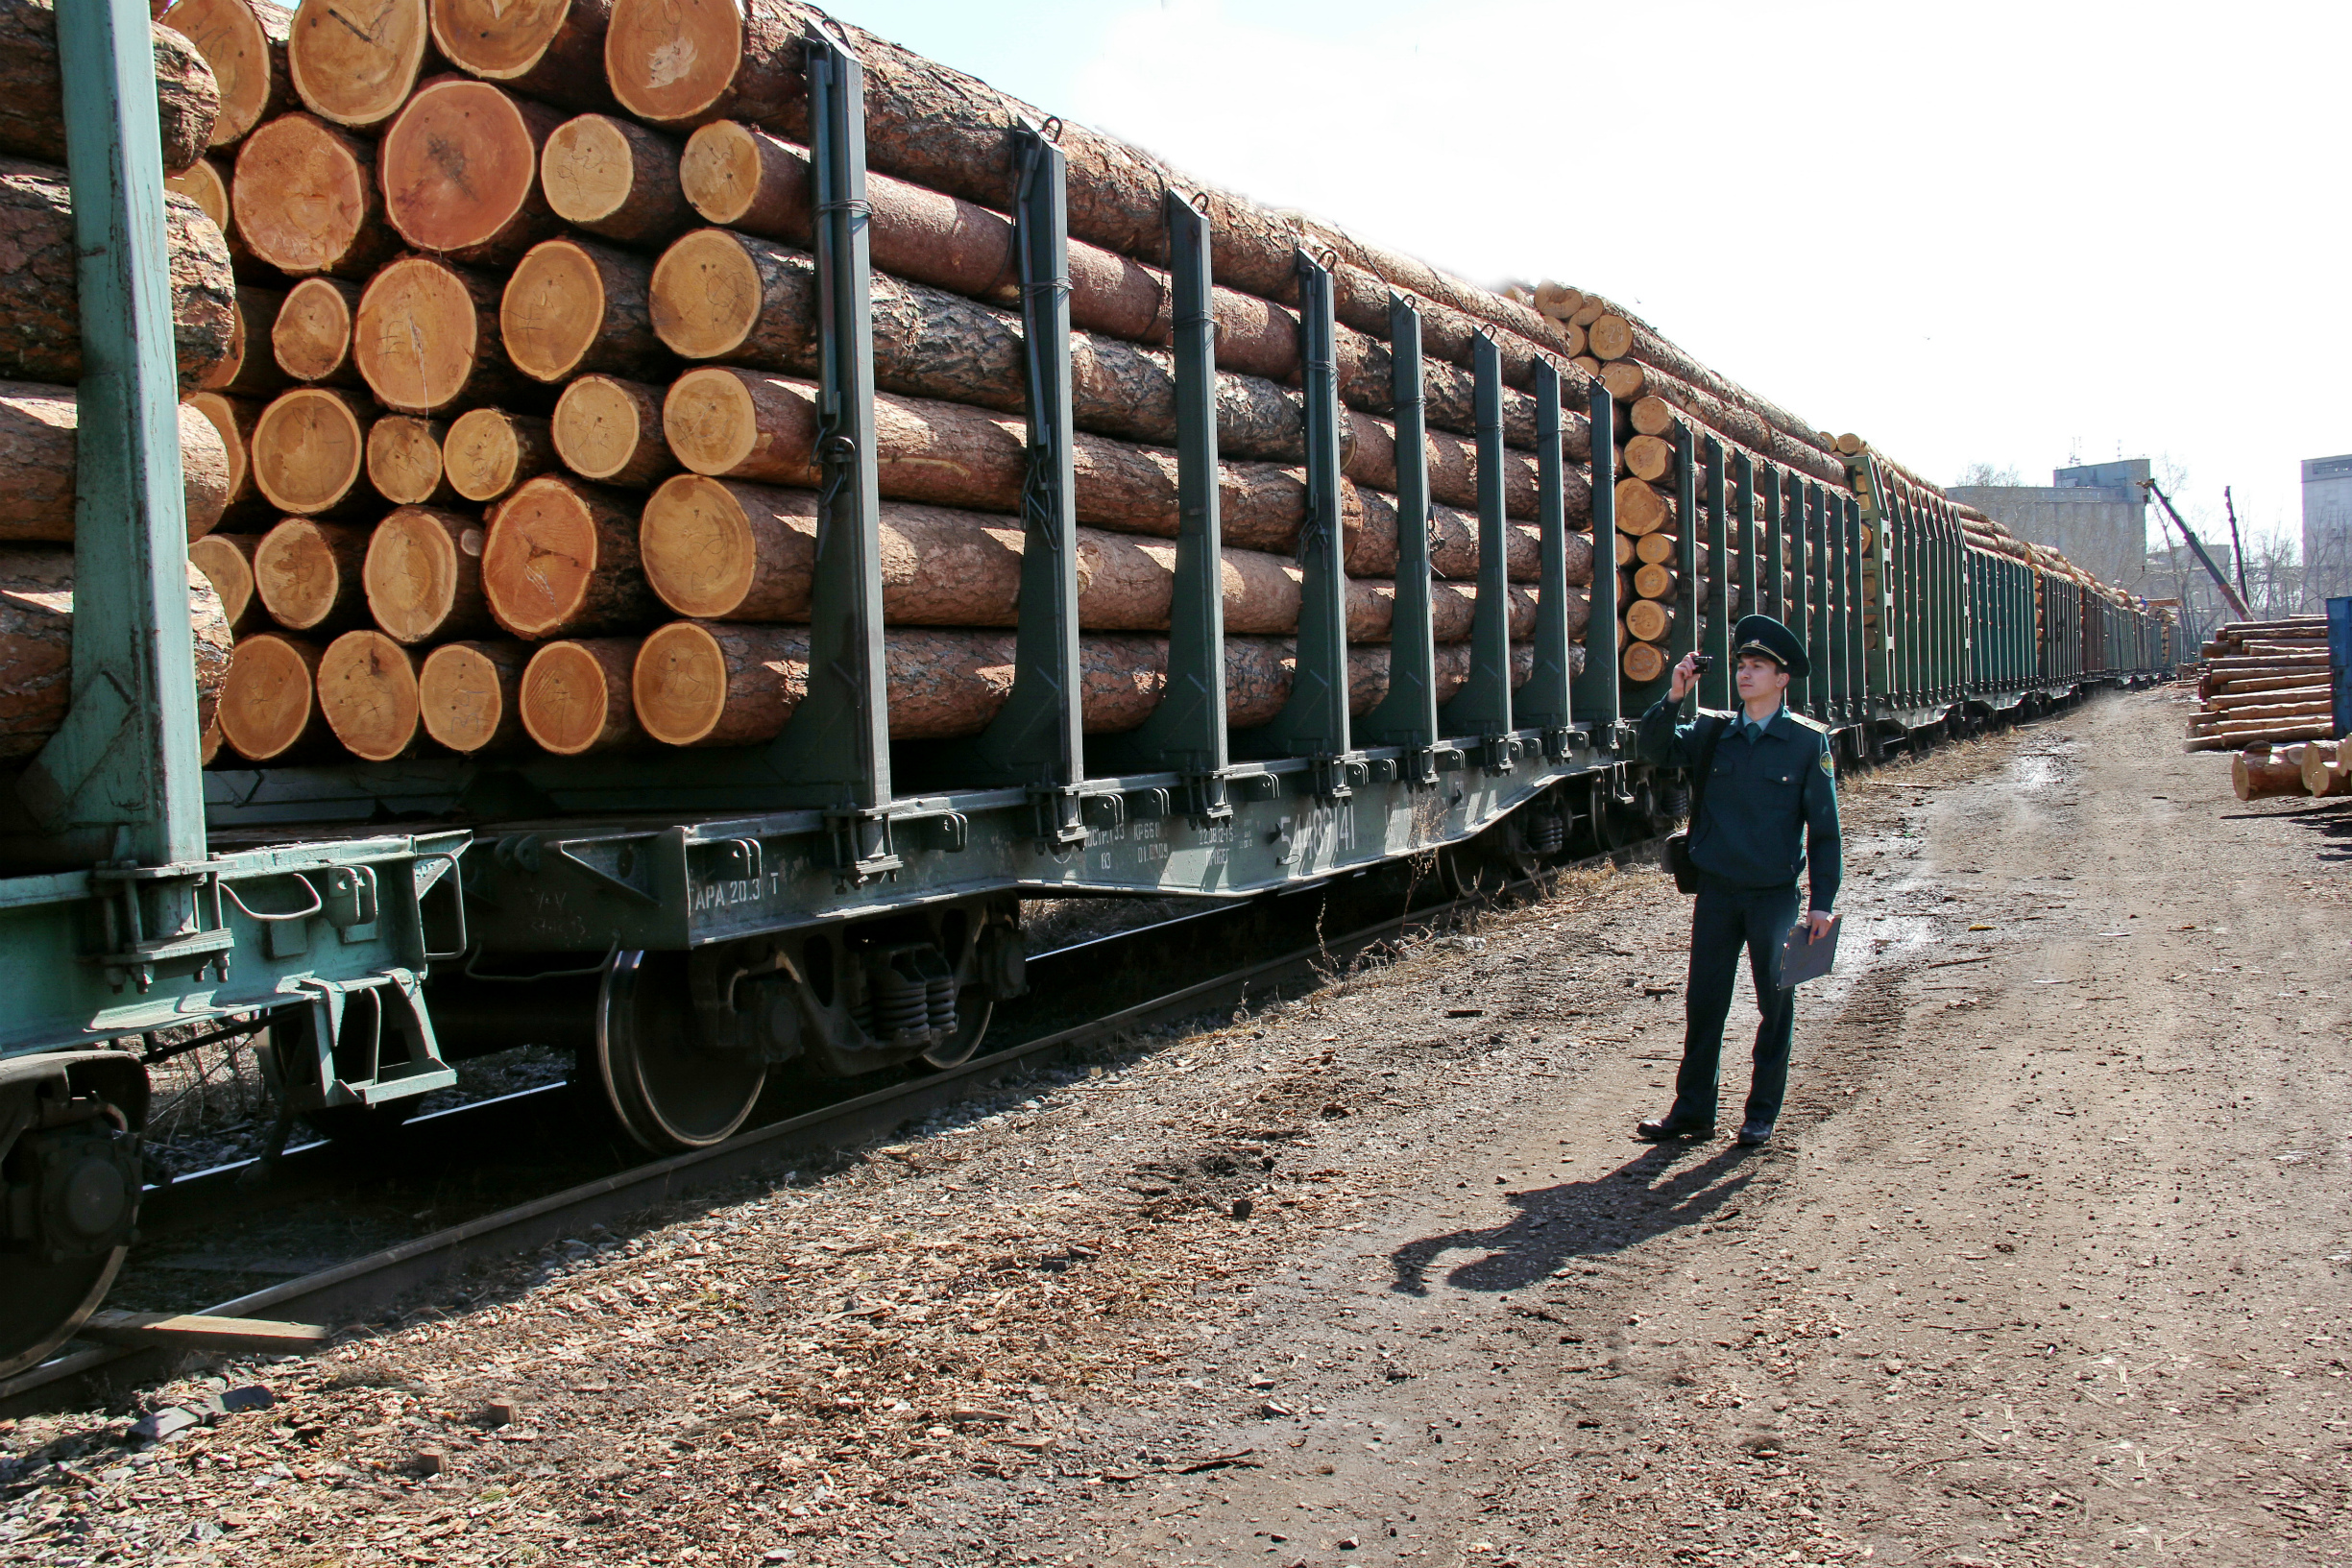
column 1802, row 960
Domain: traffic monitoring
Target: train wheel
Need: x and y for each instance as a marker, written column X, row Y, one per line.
column 78, row 1179
column 972, row 1010
column 670, row 1092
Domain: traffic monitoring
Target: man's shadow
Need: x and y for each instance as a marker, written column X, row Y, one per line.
column 1645, row 1197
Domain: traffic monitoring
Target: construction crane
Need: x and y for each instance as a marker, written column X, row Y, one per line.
column 2229, row 595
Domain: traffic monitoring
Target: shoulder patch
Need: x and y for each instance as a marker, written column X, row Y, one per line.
column 1829, row 764
column 1813, row 724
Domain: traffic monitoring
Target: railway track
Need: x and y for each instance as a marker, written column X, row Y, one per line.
column 363, row 1287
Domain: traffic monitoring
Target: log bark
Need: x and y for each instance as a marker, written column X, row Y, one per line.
column 365, row 687
column 307, row 575
column 232, row 421
column 551, row 49
column 309, row 451
column 574, row 697
column 460, row 170
column 269, row 708
column 40, row 322
column 244, row 41
column 405, row 461
column 311, row 338
column 426, row 339
column 730, row 422
column 490, row 453
column 37, row 611
column 206, row 182
column 32, row 100
column 423, row 575
column 616, row 179
column 37, row 446
column 741, row 178
column 227, row 561
column 356, row 62
column 562, row 560
column 740, row 299
column 612, row 430
column 2261, row 772
column 306, row 200
column 574, row 307
column 471, row 697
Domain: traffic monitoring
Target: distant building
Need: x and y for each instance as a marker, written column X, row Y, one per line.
column 2095, row 515
column 2327, row 526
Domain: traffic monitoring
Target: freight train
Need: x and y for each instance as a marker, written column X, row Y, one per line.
column 834, row 900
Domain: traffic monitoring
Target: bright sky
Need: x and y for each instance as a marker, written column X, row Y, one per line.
column 2015, row 234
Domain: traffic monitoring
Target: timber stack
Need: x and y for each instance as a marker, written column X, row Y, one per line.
column 2265, row 684
column 498, row 327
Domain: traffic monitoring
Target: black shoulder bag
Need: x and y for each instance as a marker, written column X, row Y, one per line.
column 1678, row 847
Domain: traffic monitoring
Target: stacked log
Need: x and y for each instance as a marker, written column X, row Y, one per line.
column 2264, row 683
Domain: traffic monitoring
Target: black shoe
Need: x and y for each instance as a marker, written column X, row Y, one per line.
column 1667, row 1129
column 1753, row 1133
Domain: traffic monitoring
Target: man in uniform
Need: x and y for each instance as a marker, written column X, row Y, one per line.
column 1770, row 798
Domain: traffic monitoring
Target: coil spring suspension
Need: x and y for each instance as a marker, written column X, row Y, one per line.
column 942, row 999
column 910, row 991
column 1548, row 834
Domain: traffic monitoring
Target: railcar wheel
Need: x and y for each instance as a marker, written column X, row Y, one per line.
column 974, row 1007
column 78, row 1180
column 670, row 1092
column 46, row 1302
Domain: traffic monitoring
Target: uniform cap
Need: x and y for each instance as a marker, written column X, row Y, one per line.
column 1761, row 634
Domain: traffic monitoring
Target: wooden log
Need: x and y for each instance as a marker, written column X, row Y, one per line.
column 1656, row 580
column 244, row 43
column 232, row 421
column 1662, row 549
column 1642, row 508
column 561, row 559
column 308, row 574
column 38, row 480
column 405, row 461
column 426, row 339
column 311, row 338
column 574, row 696
column 489, row 453
column 356, row 62
column 227, row 561
column 471, row 697
column 2278, row 734
column 2326, row 771
column 305, row 199
column 740, row 299
column 422, row 575
column 616, row 179
column 460, row 167
column 685, row 65
column 36, row 610
column 1649, row 620
column 309, row 451
column 709, row 684
column 1650, row 458
column 731, row 422
column 741, row 178
column 2314, row 693
column 269, row 708
column 2261, row 772
column 365, row 687
column 551, row 49
column 573, row 308
column 32, row 100
column 206, row 182
column 1643, row 663
column 612, row 431
column 40, row 323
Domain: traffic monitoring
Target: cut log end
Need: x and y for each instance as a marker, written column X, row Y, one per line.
column 576, row 697
column 404, row 460
column 1643, row 662
column 679, row 683
column 470, row 695
column 720, row 172
column 366, row 692
column 419, row 335
column 712, row 420
column 270, row 704
column 613, row 431
column 227, row 561
column 309, row 449
column 423, row 571
column 303, row 196
column 720, row 550
column 356, row 62
column 247, row 57
column 460, row 168
column 553, row 311
column 615, row 178
column 307, row 574
column 489, row 453
column 560, row 557
column 311, row 338
column 676, row 64
column 706, row 295
column 500, row 41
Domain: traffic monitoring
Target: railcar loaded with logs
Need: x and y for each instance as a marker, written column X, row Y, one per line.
column 652, row 525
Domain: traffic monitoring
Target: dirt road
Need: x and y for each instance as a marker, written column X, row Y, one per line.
column 2049, row 1264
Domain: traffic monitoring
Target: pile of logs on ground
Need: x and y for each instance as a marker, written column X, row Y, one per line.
column 496, row 326
column 2265, row 684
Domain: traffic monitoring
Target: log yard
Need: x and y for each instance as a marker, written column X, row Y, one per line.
column 758, row 808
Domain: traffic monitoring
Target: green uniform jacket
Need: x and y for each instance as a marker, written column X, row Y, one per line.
column 1768, row 801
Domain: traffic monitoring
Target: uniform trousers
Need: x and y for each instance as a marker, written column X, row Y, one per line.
column 1723, row 920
